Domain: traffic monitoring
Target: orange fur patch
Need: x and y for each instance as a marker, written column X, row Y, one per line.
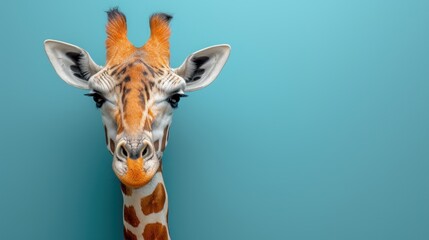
column 119, row 123
column 154, row 203
column 158, row 45
column 135, row 176
column 117, row 44
column 133, row 110
column 155, row 231
column 119, row 48
column 151, row 114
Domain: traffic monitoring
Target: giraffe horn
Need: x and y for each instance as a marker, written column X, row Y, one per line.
column 117, row 42
column 158, row 42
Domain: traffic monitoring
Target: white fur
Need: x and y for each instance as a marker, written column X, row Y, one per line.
column 217, row 54
column 56, row 51
column 135, row 201
column 101, row 81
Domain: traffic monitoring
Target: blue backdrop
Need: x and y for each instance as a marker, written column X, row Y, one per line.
column 317, row 128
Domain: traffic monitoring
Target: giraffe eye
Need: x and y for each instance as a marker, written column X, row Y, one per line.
column 98, row 98
column 174, row 99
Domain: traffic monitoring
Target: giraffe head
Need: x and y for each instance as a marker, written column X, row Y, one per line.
column 137, row 90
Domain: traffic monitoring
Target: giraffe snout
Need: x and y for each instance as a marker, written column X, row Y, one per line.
column 135, row 162
column 134, row 149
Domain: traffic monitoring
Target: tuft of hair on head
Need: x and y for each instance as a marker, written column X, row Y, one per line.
column 159, row 26
column 159, row 35
column 116, row 30
column 163, row 16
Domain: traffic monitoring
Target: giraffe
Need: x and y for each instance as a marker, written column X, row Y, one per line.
column 136, row 92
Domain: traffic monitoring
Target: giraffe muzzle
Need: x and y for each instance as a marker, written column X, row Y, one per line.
column 134, row 149
column 136, row 161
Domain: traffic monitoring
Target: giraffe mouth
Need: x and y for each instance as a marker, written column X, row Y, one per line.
column 135, row 172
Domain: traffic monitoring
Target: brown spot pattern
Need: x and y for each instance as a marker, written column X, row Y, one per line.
column 128, row 235
column 130, row 216
column 105, row 134
column 119, row 122
column 112, row 146
column 126, row 190
column 156, row 143
column 155, row 202
column 148, row 125
column 160, row 166
column 164, row 138
column 155, row 231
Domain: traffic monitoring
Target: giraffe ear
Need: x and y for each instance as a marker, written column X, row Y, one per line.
column 202, row 67
column 73, row 64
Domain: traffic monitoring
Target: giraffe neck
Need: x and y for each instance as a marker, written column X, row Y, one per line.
column 146, row 211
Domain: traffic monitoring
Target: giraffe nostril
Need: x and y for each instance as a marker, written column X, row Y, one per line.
column 133, row 150
column 121, row 153
column 144, row 151
column 147, row 151
column 124, row 151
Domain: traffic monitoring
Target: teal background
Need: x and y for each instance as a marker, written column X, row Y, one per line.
column 317, row 128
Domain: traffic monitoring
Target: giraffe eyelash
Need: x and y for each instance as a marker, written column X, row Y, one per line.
column 174, row 99
column 98, row 98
